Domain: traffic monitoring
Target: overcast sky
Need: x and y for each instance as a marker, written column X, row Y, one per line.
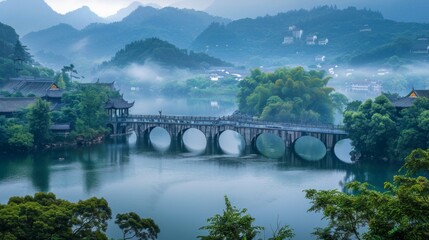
column 394, row 9
column 108, row 7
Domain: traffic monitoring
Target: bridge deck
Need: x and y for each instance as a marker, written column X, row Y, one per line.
column 229, row 121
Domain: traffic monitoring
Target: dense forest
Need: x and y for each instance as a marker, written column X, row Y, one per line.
column 164, row 54
column 378, row 129
column 289, row 95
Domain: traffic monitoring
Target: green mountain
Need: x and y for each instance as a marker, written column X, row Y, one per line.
column 101, row 41
column 8, row 38
column 303, row 33
column 162, row 53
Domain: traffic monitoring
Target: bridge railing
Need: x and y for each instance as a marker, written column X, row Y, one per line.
column 224, row 120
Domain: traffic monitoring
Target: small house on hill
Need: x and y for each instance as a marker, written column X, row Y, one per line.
column 408, row 100
column 109, row 85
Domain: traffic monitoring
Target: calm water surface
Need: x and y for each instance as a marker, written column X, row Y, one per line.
column 180, row 190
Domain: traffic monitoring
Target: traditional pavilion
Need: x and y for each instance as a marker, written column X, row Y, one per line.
column 408, row 100
column 118, row 107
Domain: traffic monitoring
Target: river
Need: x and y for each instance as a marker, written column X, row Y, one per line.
column 181, row 190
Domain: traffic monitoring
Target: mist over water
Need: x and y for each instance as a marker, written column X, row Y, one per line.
column 231, row 142
column 160, row 139
column 194, row 141
column 343, row 149
column 270, row 145
column 310, row 148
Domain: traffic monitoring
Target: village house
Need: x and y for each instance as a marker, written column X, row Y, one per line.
column 288, row 40
column 408, row 100
column 323, row 41
column 311, row 40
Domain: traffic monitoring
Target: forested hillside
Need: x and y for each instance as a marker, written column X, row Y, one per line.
column 343, row 35
column 162, row 53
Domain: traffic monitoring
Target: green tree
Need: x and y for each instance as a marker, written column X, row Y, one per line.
column 236, row 224
column 401, row 212
column 371, row 126
column 46, row 217
column 19, row 137
column 289, row 94
column 39, row 120
column 90, row 218
column 133, row 226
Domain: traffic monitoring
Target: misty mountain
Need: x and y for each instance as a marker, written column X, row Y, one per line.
column 399, row 10
column 27, row 16
column 339, row 34
column 101, row 41
column 8, row 38
column 162, row 53
column 81, row 17
column 124, row 12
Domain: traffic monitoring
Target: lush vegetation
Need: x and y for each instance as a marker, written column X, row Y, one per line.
column 401, row 212
column 163, row 53
column 237, row 224
column 289, row 94
column 83, row 109
column 46, row 217
column 378, row 129
column 15, row 59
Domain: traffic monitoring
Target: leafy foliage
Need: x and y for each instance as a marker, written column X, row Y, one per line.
column 371, row 125
column 133, row 226
column 43, row 216
column 398, row 213
column 288, row 94
column 376, row 128
column 237, row 224
column 46, row 217
column 39, row 121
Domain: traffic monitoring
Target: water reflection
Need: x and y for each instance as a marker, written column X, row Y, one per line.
column 231, row 142
column 160, row 139
column 194, row 141
column 310, row 148
column 343, row 149
column 165, row 186
column 270, row 145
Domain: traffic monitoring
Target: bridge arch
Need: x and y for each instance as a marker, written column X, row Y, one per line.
column 310, row 148
column 230, row 142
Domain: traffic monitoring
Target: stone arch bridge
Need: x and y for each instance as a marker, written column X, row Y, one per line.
column 212, row 127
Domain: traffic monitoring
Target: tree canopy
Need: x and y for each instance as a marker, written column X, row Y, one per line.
column 288, row 94
column 237, row 224
column 401, row 212
column 377, row 129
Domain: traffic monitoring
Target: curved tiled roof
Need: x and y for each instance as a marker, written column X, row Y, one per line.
column 38, row 87
column 118, row 103
column 11, row 105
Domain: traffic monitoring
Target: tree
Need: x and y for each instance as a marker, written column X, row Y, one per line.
column 39, row 120
column 43, row 216
column 19, row 137
column 90, row 218
column 401, row 212
column 371, row 126
column 70, row 72
column 236, row 224
column 289, row 94
column 133, row 226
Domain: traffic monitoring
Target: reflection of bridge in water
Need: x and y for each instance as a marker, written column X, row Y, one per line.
column 212, row 127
